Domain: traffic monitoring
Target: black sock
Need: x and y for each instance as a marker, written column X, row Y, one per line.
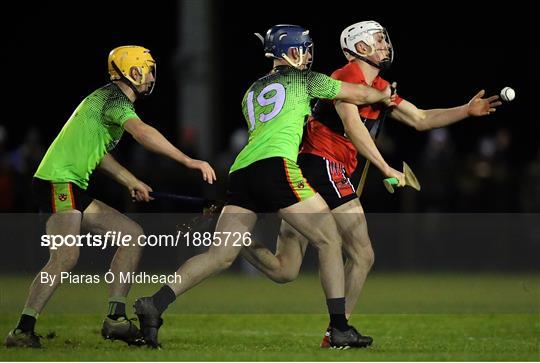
column 26, row 323
column 116, row 309
column 163, row 298
column 336, row 309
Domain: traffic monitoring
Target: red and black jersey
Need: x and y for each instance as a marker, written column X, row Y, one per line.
column 325, row 135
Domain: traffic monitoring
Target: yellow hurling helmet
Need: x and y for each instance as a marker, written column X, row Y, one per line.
column 121, row 60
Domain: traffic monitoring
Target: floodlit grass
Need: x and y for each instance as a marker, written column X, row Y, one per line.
column 412, row 317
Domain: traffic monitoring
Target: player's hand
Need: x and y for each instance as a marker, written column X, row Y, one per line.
column 479, row 106
column 140, row 191
column 393, row 173
column 208, row 173
column 392, row 96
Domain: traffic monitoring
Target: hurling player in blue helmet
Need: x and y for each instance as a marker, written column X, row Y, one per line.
column 280, row 38
column 266, row 178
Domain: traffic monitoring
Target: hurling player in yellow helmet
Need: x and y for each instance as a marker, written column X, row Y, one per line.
column 134, row 66
column 60, row 188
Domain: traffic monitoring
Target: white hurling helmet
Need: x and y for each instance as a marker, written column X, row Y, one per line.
column 365, row 31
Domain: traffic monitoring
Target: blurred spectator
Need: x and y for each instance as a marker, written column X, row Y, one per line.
column 505, row 180
column 27, row 156
column 7, row 194
column 24, row 161
column 530, row 187
column 437, row 172
column 485, row 179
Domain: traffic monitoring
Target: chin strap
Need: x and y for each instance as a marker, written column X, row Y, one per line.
column 133, row 88
column 384, row 65
column 300, row 61
column 129, row 84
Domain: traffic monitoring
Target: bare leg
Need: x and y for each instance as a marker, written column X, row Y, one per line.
column 313, row 219
column 99, row 218
column 284, row 265
column 233, row 219
column 352, row 225
column 62, row 259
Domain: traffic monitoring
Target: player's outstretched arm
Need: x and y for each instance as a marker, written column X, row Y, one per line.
column 154, row 141
column 361, row 139
column 362, row 95
column 423, row 120
column 138, row 190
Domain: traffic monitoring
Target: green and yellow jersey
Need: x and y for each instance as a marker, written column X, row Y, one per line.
column 93, row 130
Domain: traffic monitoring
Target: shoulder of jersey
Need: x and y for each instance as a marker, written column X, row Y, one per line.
column 348, row 73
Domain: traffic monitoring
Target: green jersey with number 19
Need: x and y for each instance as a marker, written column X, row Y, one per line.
column 275, row 108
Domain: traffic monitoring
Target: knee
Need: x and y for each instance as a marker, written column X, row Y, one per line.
column 132, row 228
column 223, row 261
column 70, row 261
column 359, row 250
column 287, row 272
column 326, row 242
column 136, row 230
column 369, row 258
column 363, row 257
column 65, row 261
column 285, row 276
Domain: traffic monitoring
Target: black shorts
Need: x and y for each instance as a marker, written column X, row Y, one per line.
column 52, row 197
column 329, row 178
column 268, row 185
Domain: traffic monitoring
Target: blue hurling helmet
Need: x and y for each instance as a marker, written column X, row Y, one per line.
column 280, row 38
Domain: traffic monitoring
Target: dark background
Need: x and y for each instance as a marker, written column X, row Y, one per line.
column 55, row 55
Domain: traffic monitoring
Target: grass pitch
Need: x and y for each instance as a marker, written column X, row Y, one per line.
column 412, row 317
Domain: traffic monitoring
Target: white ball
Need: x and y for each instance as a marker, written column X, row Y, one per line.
column 507, row 94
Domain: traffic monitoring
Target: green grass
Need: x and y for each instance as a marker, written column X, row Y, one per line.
column 412, row 317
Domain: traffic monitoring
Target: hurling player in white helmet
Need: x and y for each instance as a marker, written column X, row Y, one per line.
column 336, row 132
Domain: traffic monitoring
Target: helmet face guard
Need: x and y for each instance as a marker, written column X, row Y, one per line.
column 302, row 54
column 123, row 59
column 280, row 38
column 151, row 85
column 374, row 37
